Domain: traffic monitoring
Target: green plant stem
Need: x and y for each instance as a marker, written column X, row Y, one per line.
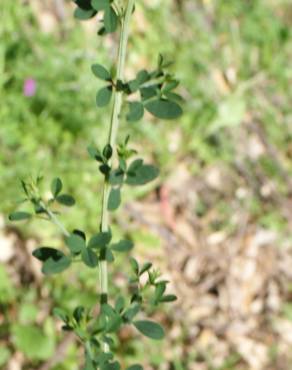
column 55, row 220
column 114, row 125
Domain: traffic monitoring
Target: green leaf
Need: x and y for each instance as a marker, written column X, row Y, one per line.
column 33, row 342
column 135, row 367
column 149, row 92
column 89, row 365
column 61, row 314
column 145, row 267
column 54, row 261
column 136, row 111
column 94, row 153
column 107, row 151
column 66, row 200
column 131, row 312
column 110, row 19
column 109, row 255
column 114, row 319
column 150, row 329
column 103, row 96
column 101, row 72
column 89, row 257
column 142, row 76
column 83, row 4
column 120, row 304
column 114, row 199
column 111, row 366
column 83, row 15
column 159, row 291
column 75, row 243
column 100, row 4
column 56, row 187
column 164, row 109
column 142, row 175
column 19, row 216
column 135, row 165
column 122, row 246
column 168, row 298
column 169, row 86
column 116, row 177
column 80, row 233
column 134, row 265
column 99, row 240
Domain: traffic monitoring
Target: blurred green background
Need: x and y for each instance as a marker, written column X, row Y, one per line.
column 233, row 59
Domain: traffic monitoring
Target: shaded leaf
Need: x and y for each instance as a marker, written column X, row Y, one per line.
column 122, row 246
column 135, row 367
column 83, row 15
column 56, row 187
column 116, row 177
column 110, row 19
column 146, row 266
column 164, row 109
column 134, row 265
column 131, row 312
column 61, row 314
column 101, row 72
column 75, row 243
column 114, row 199
column 136, row 111
column 150, row 329
column 89, row 257
column 103, row 96
column 168, row 298
column 100, row 240
column 66, row 200
column 142, row 175
column 54, row 261
column 19, row 216
column 100, row 4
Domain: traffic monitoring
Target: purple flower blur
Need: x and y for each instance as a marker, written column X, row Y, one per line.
column 29, row 87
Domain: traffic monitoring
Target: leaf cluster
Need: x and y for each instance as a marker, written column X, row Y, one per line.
column 87, row 9
column 153, row 91
column 39, row 204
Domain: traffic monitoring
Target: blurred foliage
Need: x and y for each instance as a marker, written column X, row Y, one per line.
column 232, row 58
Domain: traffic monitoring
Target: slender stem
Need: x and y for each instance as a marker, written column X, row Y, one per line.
column 55, row 220
column 114, row 125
